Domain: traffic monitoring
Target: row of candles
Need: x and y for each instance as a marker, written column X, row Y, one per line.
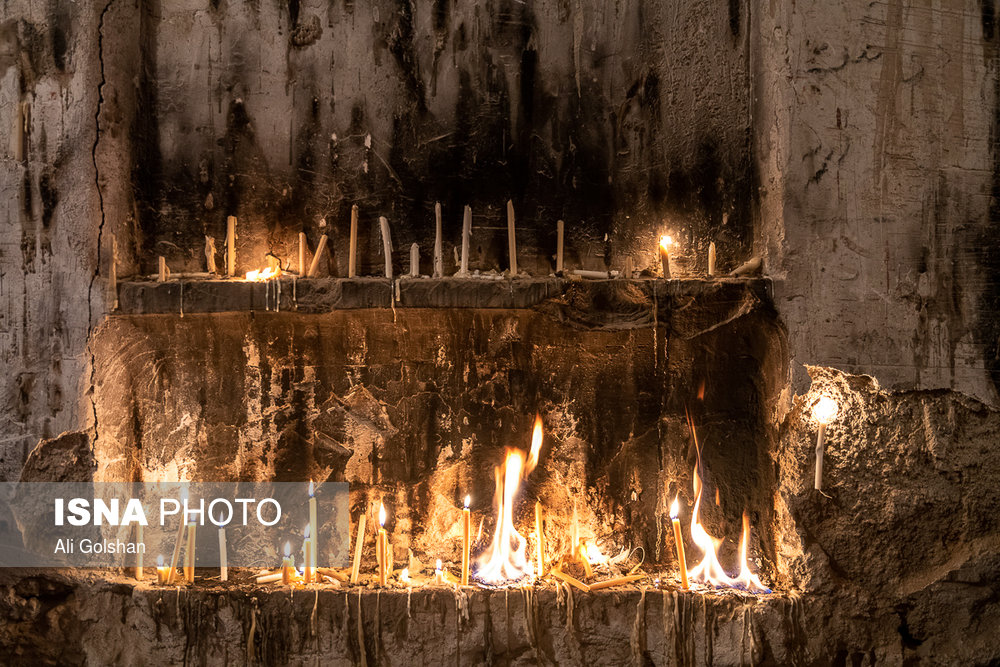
column 311, row 268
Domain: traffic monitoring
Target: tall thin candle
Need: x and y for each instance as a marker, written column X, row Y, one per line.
column 711, row 259
column 466, row 541
column 679, row 543
column 223, row 556
column 314, row 266
column 463, row 269
column 383, row 548
column 438, row 251
column 189, row 554
column 302, row 253
column 386, row 245
column 560, row 230
column 352, row 258
column 511, row 239
column 231, row 246
column 359, row 542
column 313, row 527
column 140, row 549
column 539, row 541
column 179, row 540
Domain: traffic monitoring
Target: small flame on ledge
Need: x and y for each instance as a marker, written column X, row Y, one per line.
column 260, row 275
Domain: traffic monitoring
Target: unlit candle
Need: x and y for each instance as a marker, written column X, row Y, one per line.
column 386, row 245
column 314, row 267
column 511, row 239
column 352, row 259
column 711, row 259
column 559, row 246
column 438, row 252
column 414, row 260
column 231, row 246
column 302, row 253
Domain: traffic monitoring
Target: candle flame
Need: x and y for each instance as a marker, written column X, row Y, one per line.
column 312, row 489
column 305, row 533
column 288, row 549
column 381, row 515
column 260, row 275
column 404, row 575
column 467, row 499
column 536, row 445
column 709, row 570
column 825, row 410
column 675, row 509
column 438, row 565
column 665, row 242
column 159, row 561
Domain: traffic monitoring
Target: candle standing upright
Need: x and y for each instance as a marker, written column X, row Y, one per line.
column 189, row 554
column 466, row 541
column 679, row 543
column 511, row 239
column 179, row 541
column 313, row 526
column 825, row 411
column 352, row 257
column 307, row 556
column 287, row 565
column 223, row 556
column 438, row 251
column 140, row 549
column 664, row 250
column 383, row 548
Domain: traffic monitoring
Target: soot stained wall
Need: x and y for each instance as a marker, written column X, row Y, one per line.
column 620, row 117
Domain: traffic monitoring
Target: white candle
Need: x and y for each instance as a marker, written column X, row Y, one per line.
column 223, row 559
column 386, row 246
column 824, row 412
column 313, row 527
column 466, row 235
column 359, row 542
column 352, row 265
column 511, row 239
column 314, row 267
column 438, row 252
column 711, row 259
column 302, row 253
column 231, row 246
column 140, row 548
column 559, row 246
column 414, row 260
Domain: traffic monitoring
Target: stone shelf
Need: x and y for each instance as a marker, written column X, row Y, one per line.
column 323, row 295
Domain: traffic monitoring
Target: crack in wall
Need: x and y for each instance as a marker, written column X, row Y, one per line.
column 100, row 200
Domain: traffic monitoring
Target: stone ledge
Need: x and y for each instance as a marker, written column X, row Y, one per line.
column 324, row 295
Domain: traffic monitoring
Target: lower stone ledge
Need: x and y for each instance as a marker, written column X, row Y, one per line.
column 69, row 620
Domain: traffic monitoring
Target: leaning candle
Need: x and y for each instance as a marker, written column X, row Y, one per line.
column 189, row 554
column 539, row 541
column 466, row 536
column 287, row 565
column 559, row 246
column 664, row 248
column 223, row 559
column 314, row 267
column 352, row 258
column 571, row 580
column 824, row 412
column 162, row 571
column 438, row 252
column 466, row 235
column 270, row 578
column 414, row 260
column 386, row 245
column 711, row 259
column 140, row 549
column 617, row 581
column 359, row 542
column 231, row 246
column 679, row 542
column 511, row 239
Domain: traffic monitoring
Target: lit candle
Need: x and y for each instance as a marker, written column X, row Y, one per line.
column 314, row 267
column 189, row 554
column 179, row 540
column 307, row 556
column 711, row 259
column 404, row 575
column 383, row 548
column 539, row 541
column 223, row 558
column 140, row 548
column 438, row 574
column 665, row 242
column 559, row 246
column 414, row 260
column 463, row 269
column 352, row 258
column 163, row 272
column 302, row 253
column 438, row 251
column 825, row 411
column 511, row 240
column 287, row 565
column 313, row 527
column 679, row 542
column 162, row 571
column 359, row 542
column 231, row 246
column 466, row 536
column 386, row 246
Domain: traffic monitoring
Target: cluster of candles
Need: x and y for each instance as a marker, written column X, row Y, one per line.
column 309, row 268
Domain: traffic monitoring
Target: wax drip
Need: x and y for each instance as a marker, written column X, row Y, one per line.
column 529, row 617
column 182, row 297
column 361, row 635
column 252, row 633
column 312, row 617
column 569, row 607
column 638, row 638
column 378, row 625
column 409, row 592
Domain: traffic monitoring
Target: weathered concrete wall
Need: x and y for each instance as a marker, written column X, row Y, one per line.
column 876, row 126
column 51, row 71
column 617, row 116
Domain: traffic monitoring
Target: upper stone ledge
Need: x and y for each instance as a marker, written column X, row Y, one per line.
column 323, row 295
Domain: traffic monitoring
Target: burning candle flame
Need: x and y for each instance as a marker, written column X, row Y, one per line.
column 260, row 275
column 438, row 568
column 825, row 410
column 665, row 242
column 709, row 570
column 467, row 499
column 404, row 575
column 312, row 489
column 675, row 509
column 288, row 549
column 305, row 533
column 536, row 445
column 159, row 561
column 381, row 515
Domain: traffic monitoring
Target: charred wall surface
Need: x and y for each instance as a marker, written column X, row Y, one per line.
column 622, row 118
column 417, row 406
